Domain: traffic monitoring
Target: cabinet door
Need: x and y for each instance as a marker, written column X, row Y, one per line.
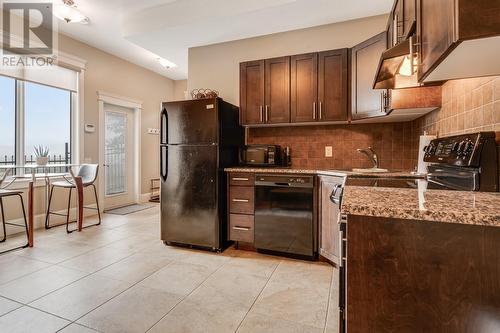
column 436, row 32
column 329, row 226
column 397, row 23
column 333, row 85
column 277, row 90
column 367, row 102
column 409, row 15
column 304, row 87
column 252, row 92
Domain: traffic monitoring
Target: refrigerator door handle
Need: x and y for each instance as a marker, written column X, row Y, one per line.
column 163, row 162
column 164, row 127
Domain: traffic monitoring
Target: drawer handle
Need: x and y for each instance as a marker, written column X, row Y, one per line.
column 242, row 228
column 240, row 200
column 240, row 179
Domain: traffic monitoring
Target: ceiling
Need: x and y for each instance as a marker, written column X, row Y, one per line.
column 142, row 31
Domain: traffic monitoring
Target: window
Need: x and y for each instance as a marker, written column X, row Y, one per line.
column 44, row 118
column 47, row 121
column 7, row 120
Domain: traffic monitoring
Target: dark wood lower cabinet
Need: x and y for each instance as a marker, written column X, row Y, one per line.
column 416, row 276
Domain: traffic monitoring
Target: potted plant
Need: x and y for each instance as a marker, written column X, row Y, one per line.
column 42, row 155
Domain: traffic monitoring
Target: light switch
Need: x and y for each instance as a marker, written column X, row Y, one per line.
column 328, row 151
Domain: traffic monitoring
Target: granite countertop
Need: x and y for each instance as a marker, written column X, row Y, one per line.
column 475, row 208
column 341, row 173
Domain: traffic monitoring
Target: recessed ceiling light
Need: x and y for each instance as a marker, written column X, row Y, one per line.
column 165, row 63
column 67, row 12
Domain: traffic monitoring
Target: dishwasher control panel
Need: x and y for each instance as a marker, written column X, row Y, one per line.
column 284, row 180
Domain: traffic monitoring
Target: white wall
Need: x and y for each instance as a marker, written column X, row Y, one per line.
column 217, row 66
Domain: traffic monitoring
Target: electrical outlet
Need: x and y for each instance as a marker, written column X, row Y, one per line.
column 328, row 151
column 153, row 131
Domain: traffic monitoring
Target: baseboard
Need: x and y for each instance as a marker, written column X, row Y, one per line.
column 144, row 197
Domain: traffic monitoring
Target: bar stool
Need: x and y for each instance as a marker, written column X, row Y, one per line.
column 88, row 173
column 11, row 193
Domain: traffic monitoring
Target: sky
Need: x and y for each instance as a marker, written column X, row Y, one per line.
column 47, row 117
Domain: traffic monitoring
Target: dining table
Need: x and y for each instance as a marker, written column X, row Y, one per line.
column 33, row 172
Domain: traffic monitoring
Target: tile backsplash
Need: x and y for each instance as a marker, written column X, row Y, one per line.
column 394, row 144
column 469, row 105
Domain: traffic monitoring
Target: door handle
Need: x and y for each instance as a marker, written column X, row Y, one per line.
column 261, row 109
column 241, row 228
column 240, row 179
column 267, row 113
column 320, row 110
column 240, row 200
column 164, row 127
column 314, row 110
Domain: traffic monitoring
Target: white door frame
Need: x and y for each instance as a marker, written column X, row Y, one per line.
column 136, row 106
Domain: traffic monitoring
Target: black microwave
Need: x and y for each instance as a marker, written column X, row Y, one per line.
column 261, row 155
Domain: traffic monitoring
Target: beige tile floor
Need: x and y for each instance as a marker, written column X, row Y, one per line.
column 120, row 278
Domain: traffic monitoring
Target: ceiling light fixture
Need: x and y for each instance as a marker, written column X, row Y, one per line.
column 165, row 63
column 67, row 12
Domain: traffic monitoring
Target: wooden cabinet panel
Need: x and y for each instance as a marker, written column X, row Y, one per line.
column 304, row 87
column 241, row 228
column 447, row 273
column 252, row 92
column 241, row 199
column 365, row 101
column 398, row 22
column 333, row 85
column 241, row 179
column 409, row 15
column 328, row 221
column 436, row 32
column 277, row 90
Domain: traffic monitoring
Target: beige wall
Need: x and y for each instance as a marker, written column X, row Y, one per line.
column 111, row 74
column 217, row 66
column 180, row 86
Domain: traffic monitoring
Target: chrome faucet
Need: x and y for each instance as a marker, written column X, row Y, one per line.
column 370, row 153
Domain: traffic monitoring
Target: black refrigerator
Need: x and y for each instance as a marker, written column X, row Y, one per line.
column 198, row 139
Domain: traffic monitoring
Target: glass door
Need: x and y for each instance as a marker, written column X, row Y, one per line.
column 118, row 156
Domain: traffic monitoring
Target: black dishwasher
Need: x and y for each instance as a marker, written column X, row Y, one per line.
column 284, row 223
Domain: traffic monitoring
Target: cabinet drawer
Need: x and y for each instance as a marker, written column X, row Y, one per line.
column 241, row 228
column 242, row 179
column 241, row 199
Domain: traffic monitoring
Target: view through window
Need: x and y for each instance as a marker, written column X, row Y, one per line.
column 47, row 121
column 44, row 119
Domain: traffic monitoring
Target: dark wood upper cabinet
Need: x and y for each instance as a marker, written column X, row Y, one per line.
column 333, row 85
column 252, row 92
column 365, row 101
column 304, row 87
column 435, row 31
column 277, row 90
column 401, row 21
column 409, row 16
column 450, row 31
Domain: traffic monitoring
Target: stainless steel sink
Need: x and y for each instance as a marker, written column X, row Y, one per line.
column 370, row 170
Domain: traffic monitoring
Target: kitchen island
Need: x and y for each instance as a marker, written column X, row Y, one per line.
column 421, row 260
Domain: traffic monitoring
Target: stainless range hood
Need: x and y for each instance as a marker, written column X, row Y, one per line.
column 397, row 67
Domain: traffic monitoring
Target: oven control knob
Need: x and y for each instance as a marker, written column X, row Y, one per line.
column 299, row 180
column 461, row 147
column 291, row 180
